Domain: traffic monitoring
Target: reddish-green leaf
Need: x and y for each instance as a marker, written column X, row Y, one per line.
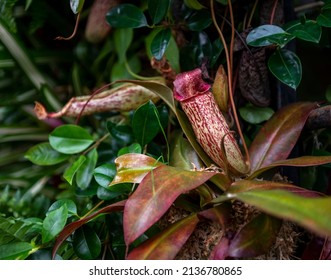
column 249, row 185
column 255, row 238
column 303, row 161
column 166, row 244
column 154, row 196
column 277, row 137
column 219, row 214
column 70, row 228
column 132, row 168
column 311, row 213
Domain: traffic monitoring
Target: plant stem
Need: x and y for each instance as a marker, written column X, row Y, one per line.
column 229, row 67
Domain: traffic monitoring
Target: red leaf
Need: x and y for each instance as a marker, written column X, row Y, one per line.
column 166, row 244
column 70, row 228
column 220, row 251
column 155, row 194
column 298, row 162
column 278, row 136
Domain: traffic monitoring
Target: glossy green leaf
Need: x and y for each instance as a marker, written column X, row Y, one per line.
column 54, row 223
column 266, row 35
column 122, row 133
column 86, row 243
column 14, row 251
column 285, row 65
column 194, row 4
column 44, row 154
column 122, row 40
column 303, row 161
column 158, row 9
column 276, row 139
column 145, row 123
column 160, row 43
column 84, row 173
column 324, row 18
column 70, row 172
column 76, row 5
column 104, row 174
column 132, row 168
column 154, row 196
column 166, row 244
column 126, row 16
column 134, row 148
column 307, row 31
column 311, row 213
column 70, row 139
column 182, row 154
column 255, row 115
column 71, row 206
column 199, row 20
column 70, row 228
column 255, row 238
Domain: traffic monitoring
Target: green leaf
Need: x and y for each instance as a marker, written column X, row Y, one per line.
column 14, row 251
column 122, row 40
column 71, row 206
column 285, row 65
column 70, row 139
column 255, row 238
column 122, row 133
column 308, row 31
column 324, row 19
column 160, row 43
column 199, row 20
column 44, row 154
column 126, row 16
column 158, row 9
column 13, row 230
column 76, row 5
column 166, row 244
column 154, row 196
column 54, row 223
column 311, row 213
column 132, row 168
column 266, row 35
column 145, row 123
column 134, row 148
column 194, row 4
column 254, row 114
column 276, row 139
column 70, row 228
column 182, row 154
column 70, row 172
column 104, row 174
column 84, row 173
column 86, row 243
